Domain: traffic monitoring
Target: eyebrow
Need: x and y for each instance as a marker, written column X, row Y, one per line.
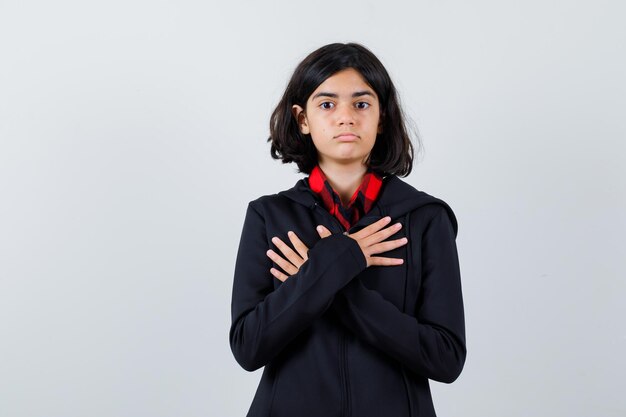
column 334, row 95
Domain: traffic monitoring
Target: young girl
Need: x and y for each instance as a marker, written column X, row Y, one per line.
column 347, row 286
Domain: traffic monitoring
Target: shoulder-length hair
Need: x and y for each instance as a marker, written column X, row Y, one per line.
column 392, row 152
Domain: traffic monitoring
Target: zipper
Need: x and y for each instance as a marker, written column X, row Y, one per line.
column 343, row 368
column 346, row 376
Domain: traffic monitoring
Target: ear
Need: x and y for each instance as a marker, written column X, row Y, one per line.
column 380, row 125
column 300, row 116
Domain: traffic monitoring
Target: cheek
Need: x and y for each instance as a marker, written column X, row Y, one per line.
column 321, row 148
column 315, row 138
column 376, row 121
column 317, row 128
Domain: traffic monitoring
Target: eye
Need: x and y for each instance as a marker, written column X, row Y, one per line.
column 327, row 105
column 362, row 105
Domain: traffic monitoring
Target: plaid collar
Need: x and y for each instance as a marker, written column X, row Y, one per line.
column 361, row 202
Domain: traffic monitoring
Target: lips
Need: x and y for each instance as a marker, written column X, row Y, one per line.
column 346, row 137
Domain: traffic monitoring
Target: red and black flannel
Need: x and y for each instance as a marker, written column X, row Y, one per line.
column 360, row 203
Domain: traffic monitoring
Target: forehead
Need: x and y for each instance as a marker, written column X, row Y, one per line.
column 345, row 82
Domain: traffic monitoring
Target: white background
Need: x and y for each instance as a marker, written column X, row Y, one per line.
column 132, row 136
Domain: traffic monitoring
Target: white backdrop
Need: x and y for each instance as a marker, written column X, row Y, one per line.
column 132, row 136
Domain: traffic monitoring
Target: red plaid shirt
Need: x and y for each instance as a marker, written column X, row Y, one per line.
column 361, row 202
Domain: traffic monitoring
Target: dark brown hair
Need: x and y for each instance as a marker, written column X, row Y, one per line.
column 392, row 152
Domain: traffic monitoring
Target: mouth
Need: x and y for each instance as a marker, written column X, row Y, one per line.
column 346, row 137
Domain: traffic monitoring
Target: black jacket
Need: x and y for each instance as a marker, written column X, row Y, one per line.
column 340, row 339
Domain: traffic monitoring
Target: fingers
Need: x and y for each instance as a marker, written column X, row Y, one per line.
column 386, row 246
column 372, row 241
column 302, row 249
column 382, row 234
column 293, row 257
column 380, row 261
column 323, row 231
column 294, row 260
column 278, row 274
column 369, row 237
column 288, row 267
column 372, row 228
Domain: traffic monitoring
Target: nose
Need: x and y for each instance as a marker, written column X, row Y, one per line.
column 345, row 115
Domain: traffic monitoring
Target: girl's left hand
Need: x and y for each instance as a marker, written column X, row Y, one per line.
column 294, row 260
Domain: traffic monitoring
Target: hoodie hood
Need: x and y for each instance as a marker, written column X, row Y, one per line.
column 395, row 200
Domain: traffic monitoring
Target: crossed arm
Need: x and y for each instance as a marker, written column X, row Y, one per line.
column 370, row 240
column 266, row 319
column 434, row 346
column 430, row 341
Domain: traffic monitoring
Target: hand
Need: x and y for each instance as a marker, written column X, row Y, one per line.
column 294, row 260
column 368, row 239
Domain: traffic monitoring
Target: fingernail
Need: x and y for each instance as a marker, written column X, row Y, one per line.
column 290, row 233
column 274, row 239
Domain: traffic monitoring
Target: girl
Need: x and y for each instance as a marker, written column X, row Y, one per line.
column 347, row 286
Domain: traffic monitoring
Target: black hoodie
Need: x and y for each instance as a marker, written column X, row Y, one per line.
column 340, row 339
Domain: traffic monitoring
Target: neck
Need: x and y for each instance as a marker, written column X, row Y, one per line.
column 345, row 179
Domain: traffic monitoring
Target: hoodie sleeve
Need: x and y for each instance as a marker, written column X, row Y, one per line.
column 432, row 341
column 264, row 319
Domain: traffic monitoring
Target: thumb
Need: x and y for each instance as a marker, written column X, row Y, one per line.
column 323, row 231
